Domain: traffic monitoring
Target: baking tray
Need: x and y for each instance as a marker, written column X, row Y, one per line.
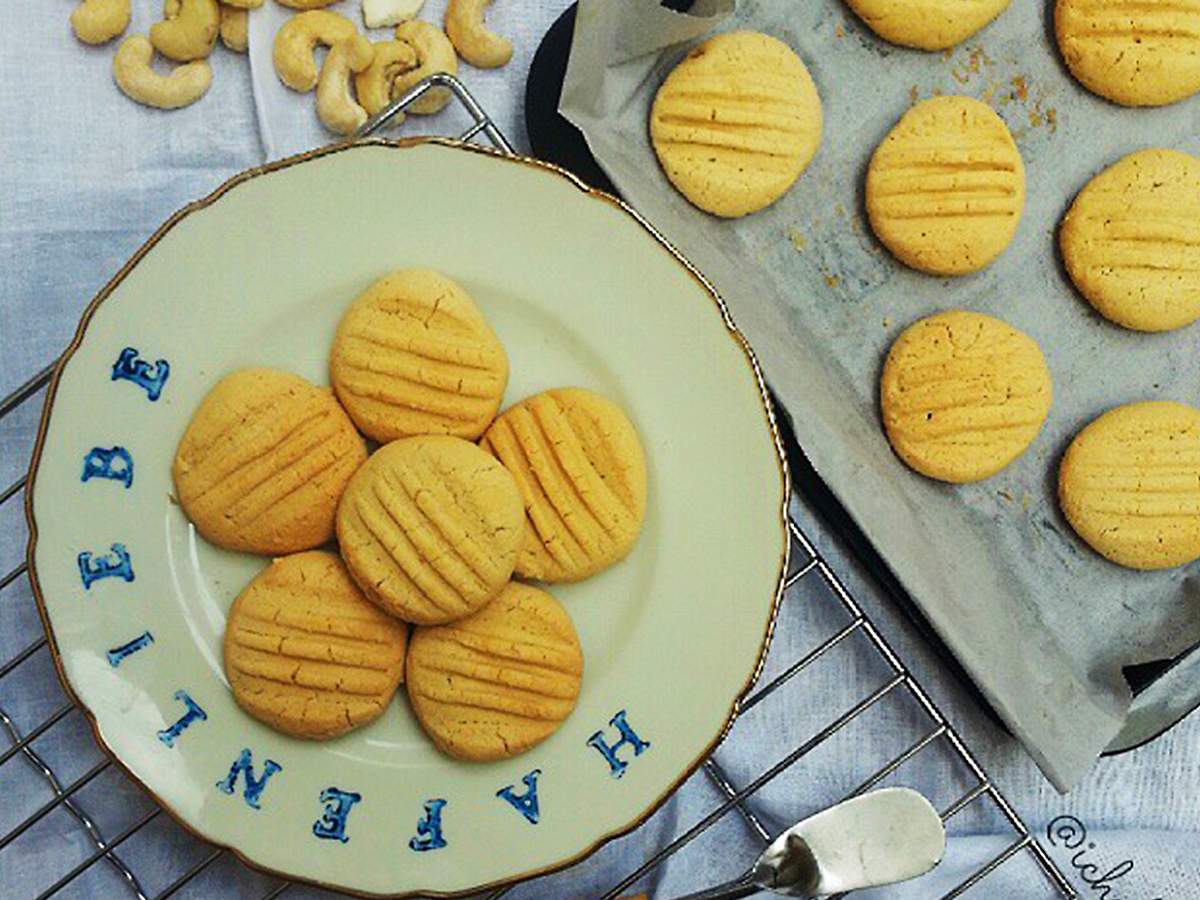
column 1108, row 657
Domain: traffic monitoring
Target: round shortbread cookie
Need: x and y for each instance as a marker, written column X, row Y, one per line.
column 1131, row 241
column 927, row 24
column 1133, row 52
column 430, row 528
column 582, row 474
column 307, row 653
column 736, row 122
column 413, row 355
column 946, row 188
column 1129, row 485
column 498, row 682
column 263, row 462
column 963, row 395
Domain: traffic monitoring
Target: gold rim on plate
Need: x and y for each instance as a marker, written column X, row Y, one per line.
column 402, row 144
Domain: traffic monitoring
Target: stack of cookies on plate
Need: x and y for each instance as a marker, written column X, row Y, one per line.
column 432, row 527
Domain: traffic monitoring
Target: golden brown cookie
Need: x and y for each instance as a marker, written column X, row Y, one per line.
column 927, row 24
column 430, row 528
column 1131, row 240
column 582, row 473
column 1133, row 52
column 413, row 355
column 1129, row 485
column 963, row 395
column 736, row 122
column 307, row 653
column 264, row 462
column 946, row 188
column 498, row 682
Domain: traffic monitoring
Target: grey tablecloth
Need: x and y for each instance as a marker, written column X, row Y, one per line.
column 86, row 176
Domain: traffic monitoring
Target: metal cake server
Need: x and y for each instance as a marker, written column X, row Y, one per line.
column 880, row 838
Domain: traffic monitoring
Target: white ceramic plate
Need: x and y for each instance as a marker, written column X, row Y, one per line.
column 582, row 293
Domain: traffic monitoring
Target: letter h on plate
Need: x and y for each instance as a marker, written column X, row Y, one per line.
column 629, row 737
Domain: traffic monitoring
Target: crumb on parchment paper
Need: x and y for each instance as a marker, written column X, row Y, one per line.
column 839, row 31
column 799, row 241
column 976, row 60
column 887, row 321
column 832, row 280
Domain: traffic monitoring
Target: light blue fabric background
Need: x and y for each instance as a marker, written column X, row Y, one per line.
column 86, row 176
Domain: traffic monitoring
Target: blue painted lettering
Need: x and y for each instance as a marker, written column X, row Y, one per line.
column 193, row 714
column 115, row 564
column 131, row 368
column 527, row 803
column 616, row 766
column 429, row 828
column 244, row 765
column 332, row 824
column 117, row 655
column 115, row 464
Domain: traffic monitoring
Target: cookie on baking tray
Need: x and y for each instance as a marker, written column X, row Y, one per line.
column 963, row 395
column 413, row 355
column 946, row 187
column 1133, row 53
column 263, row 462
column 581, row 471
column 307, row 653
column 927, row 24
column 1128, row 484
column 430, row 528
column 1131, row 240
column 736, row 122
column 496, row 683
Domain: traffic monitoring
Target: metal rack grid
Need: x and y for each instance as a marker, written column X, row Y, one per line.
column 106, row 848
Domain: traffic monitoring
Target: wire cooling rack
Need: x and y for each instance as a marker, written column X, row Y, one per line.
column 97, row 835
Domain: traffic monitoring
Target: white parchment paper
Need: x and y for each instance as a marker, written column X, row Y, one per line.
column 1043, row 624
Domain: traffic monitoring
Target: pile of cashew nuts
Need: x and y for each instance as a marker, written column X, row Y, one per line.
column 380, row 71
column 358, row 78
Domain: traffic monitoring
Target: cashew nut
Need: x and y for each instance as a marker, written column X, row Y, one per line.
column 435, row 53
column 336, row 109
column 135, row 78
column 188, row 30
column 235, row 28
column 243, row 4
column 97, row 21
column 474, row 43
column 382, row 81
column 305, row 4
column 380, row 13
column 296, row 40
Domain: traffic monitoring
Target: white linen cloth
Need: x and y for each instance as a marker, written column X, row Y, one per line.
column 86, row 176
